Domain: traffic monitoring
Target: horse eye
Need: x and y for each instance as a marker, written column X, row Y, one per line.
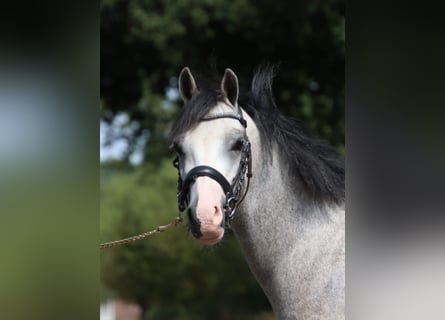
column 237, row 146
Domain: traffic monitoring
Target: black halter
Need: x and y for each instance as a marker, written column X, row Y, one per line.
column 232, row 190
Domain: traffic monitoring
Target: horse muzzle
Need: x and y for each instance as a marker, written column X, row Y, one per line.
column 205, row 216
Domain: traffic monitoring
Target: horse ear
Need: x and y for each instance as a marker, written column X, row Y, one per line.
column 187, row 85
column 229, row 86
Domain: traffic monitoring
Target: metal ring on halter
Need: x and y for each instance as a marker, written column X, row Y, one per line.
column 230, row 202
column 230, row 208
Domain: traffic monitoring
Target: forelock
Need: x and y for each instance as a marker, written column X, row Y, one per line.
column 193, row 111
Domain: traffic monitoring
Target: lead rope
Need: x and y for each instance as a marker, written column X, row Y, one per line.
column 176, row 221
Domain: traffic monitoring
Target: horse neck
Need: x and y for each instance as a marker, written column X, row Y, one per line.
column 278, row 226
column 274, row 212
column 276, row 202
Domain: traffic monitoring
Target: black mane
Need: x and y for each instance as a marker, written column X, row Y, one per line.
column 315, row 163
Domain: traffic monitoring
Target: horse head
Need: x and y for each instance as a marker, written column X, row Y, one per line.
column 213, row 155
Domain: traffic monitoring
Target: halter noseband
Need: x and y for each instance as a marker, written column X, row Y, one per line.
column 232, row 191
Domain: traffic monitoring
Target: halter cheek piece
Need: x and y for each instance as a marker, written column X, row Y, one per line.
column 232, row 190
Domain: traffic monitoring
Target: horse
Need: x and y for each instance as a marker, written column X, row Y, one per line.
column 243, row 165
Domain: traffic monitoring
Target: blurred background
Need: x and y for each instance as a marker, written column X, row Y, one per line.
column 144, row 45
column 49, row 151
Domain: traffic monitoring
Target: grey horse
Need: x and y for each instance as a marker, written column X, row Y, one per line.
column 243, row 164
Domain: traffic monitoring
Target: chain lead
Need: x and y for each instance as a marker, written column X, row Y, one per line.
column 176, row 221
